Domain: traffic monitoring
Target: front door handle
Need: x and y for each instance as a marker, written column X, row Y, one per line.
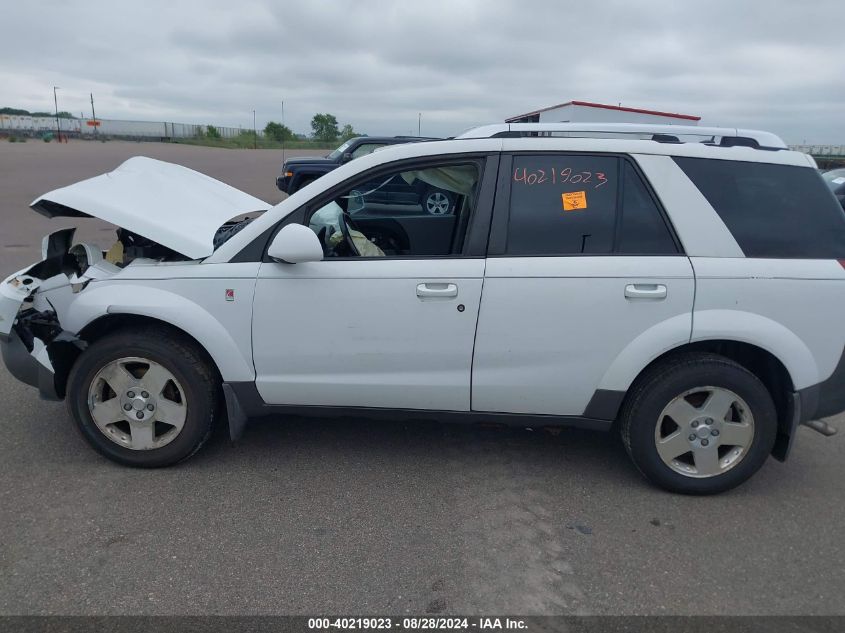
column 437, row 291
column 645, row 291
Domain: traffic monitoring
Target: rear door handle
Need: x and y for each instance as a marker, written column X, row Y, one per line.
column 437, row 291
column 645, row 291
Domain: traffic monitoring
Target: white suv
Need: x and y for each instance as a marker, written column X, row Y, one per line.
column 685, row 285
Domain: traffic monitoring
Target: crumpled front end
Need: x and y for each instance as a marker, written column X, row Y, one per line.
column 164, row 213
column 33, row 343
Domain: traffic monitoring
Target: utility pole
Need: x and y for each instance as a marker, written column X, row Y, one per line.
column 58, row 127
column 93, row 114
column 419, row 124
column 283, row 131
column 254, row 132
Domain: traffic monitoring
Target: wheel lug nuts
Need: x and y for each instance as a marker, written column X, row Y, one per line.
column 126, row 407
column 150, row 407
column 714, row 432
column 694, row 424
column 707, row 421
column 692, row 437
column 704, row 442
column 140, row 416
column 130, row 394
column 144, row 394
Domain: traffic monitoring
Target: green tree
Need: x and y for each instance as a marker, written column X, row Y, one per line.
column 212, row 132
column 325, row 127
column 347, row 133
column 278, row 132
column 62, row 115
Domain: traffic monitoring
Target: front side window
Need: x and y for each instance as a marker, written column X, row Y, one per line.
column 420, row 212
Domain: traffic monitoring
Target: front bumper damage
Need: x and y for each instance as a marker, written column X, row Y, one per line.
column 32, row 342
column 32, row 369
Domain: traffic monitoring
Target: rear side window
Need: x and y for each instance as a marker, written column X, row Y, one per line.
column 643, row 230
column 773, row 211
column 563, row 204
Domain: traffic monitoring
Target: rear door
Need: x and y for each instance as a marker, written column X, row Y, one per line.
column 584, row 278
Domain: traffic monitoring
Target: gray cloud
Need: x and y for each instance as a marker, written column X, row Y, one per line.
column 377, row 63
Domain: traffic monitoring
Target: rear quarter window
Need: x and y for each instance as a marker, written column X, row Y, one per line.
column 773, row 211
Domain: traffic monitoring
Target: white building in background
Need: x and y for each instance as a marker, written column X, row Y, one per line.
column 585, row 111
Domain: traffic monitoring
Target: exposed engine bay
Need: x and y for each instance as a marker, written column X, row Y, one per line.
column 33, row 328
column 74, row 261
column 165, row 213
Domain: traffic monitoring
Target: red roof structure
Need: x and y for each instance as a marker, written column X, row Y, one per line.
column 588, row 104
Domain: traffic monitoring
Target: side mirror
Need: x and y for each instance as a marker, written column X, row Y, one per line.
column 295, row 244
column 347, row 156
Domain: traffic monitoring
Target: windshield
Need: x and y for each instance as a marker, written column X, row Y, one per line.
column 834, row 178
column 340, row 150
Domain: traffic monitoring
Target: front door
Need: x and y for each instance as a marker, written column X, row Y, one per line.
column 388, row 318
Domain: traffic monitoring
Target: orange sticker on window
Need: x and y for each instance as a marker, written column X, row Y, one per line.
column 574, row 201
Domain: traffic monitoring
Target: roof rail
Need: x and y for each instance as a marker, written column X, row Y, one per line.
column 723, row 136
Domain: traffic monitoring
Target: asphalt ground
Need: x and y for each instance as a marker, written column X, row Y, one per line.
column 361, row 517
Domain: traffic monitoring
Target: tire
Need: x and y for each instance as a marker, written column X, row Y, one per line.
column 682, row 398
column 178, row 400
column 437, row 201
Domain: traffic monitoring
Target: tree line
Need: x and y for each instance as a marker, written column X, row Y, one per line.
column 324, row 128
column 21, row 112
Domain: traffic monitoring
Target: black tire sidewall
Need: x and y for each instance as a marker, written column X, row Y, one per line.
column 651, row 402
column 171, row 355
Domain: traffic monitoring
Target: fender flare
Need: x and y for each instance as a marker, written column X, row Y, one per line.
column 762, row 332
column 662, row 337
column 723, row 325
column 170, row 308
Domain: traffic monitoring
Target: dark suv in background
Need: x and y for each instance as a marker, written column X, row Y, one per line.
column 299, row 171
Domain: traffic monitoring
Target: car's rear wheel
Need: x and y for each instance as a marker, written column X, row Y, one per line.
column 699, row 424
column 144, row 398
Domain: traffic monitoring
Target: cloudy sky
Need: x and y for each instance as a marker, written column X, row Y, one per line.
column 777, row 65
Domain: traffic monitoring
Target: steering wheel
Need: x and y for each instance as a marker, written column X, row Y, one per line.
column 345, row 222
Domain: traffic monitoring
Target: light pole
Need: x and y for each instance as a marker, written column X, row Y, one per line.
column 419, row 124
column 93, row 114
column 254, row 132
column 58, row 127
column 283, row 131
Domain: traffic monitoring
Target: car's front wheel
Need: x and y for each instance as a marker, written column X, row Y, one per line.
column 145, row 398
column 699, row 424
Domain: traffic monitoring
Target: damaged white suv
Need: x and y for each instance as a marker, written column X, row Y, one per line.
column 685, row 285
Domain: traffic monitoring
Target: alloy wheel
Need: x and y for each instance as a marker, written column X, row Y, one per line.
column 704, row 432
column 137, row 403
column 437, row 203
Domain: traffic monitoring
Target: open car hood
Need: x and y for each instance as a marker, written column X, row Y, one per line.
column 172, row 205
